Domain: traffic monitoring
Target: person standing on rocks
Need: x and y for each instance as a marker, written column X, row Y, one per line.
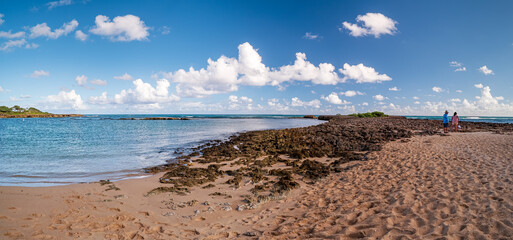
column 455, row 120
column 446, row 122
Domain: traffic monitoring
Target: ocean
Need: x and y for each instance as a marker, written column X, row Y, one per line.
column 57, row 151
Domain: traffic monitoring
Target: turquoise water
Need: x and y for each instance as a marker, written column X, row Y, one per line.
column 55, row 151
column 469, row 118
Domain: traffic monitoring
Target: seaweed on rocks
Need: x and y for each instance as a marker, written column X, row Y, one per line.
column 181, row 175
column 177, row 190
column 313, row 170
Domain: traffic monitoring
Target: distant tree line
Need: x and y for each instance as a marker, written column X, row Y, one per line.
column 19, row 110
column 369, row 114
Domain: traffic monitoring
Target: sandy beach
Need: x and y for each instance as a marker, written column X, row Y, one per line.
column 425, row 187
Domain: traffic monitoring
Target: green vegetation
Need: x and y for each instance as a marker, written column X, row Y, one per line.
column 17, row 110
column 369, row 114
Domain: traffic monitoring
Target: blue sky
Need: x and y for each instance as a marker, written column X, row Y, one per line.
column 290, row 57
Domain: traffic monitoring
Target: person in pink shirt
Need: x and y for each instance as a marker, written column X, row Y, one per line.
column 455, row 120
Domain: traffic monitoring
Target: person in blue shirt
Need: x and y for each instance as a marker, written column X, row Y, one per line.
column 446, row 122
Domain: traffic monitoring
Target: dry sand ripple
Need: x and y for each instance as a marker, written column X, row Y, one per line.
column 451, row 187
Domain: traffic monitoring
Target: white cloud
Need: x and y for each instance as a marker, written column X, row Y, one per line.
column 416, row 102
column 80, row 35
column 102, row 99
column 99, row 82
column 437, row 89
column 254, row 72
column 121, row 28
column 236, row 102
column 365, row 104
column 363, row 74
column 485, row 70
column 394, row 89
column 243, row 99
column 65, row 100
column 1, row 18
column 461, row 69
column 455, row 64
column 303, row 70
column 296, row 102
column 455, row 100
column 479, row 85
column 8, row 34
column 81, row 80
column 59, row 3
column 415, row 97
column 219, row 77
column 144, row 93
column 379, row 97
column 311, row 36
column 125, row 76
column 11, row 44
column 334, row 99
column 1, row 89
column 42, row 30
column 375, row 24
column 459, row 91
column 351, row 93
column 40, row 73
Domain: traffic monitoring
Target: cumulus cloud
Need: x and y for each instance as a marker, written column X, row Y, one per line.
column 394, row 89
column 250, row 65
column 485, row 70
column 81, row 80
column 415, row 97
column 125, row 76
column 296, row 102
column 334, row 99
column 99, row 82
column 144, row 93
column 461, row 69
column 479, row 85
column 1, row 18
column 236, row 102
column 351, row 93
column 65, row 100
column 459, row 91
column 311, row 36
column 455, row 100
column 40, row 73
column 226, row 74
column 80, row 35
column 303, row 70
column 243, row 99
column 121, row 28
column 437, row 89
column 379, row 97
column 59, row 3
column 363, row 74
column 375, row 24
column 42, row 30
column 8, row 34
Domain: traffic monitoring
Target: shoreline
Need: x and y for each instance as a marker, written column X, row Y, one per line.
column 243, row 203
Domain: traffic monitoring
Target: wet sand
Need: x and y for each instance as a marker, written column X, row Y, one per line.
column 426, row 187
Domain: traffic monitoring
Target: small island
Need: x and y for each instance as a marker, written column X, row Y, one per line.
column 19, row 112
